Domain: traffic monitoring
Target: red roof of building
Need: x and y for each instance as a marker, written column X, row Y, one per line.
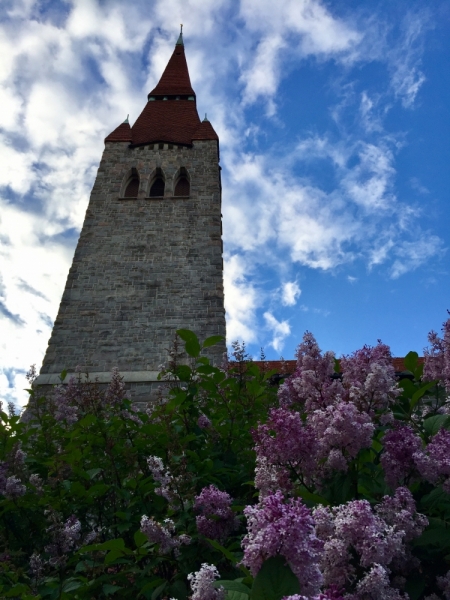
column 120, row 134
column 169, row 115
column 284, row 367
column 175, row 80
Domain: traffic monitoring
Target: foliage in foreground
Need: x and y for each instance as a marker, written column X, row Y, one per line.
column 336, row 485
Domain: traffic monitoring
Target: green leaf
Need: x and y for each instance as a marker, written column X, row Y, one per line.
column 71, row 585
column 420, row 392
column 434, row 537
column 109, row 589
column 232, row 595
column 191, row 343
column 183, row 372
column 159, row 590
column 274, row 580
column 63, row 374
column 433, row 424
column 234, row 586
column 93, row 472
column 415, row 584
column 211, row 341
column 140, row 538
column 409, row 389
column 410, row 361
column 223, row 550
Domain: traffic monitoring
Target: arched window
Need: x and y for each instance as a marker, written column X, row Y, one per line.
column 132, row 186
column 182, row 187
column 158, row 185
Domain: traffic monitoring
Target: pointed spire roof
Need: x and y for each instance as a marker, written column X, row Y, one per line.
column 175, row 80
column 170, row 114
column 121, row 133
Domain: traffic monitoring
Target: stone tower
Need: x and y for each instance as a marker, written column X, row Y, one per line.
column 149, row 256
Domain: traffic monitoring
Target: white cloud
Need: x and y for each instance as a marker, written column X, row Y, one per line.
column 280, row 330
column 240, row 300
column 289, row 293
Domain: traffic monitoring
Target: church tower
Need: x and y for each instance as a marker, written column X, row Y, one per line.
column 149, row 256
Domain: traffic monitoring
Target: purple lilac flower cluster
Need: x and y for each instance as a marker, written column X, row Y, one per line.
column 401, row 448
column 342, row 431
column 331, row 593
column 434, row 463
column 270, row 477
column 202, row 584
column 203, row 422
column 283, row 528
column 215, row 518
column 162, row 476
column 437, row 358
column 286, row 440
column 11, row 485
column 63, row 538
column 377, row 538
column 164, row 535
column 312, row 383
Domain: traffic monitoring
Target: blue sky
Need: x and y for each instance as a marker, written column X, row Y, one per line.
column 334, row 135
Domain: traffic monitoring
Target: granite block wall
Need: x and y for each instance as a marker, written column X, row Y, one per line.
column 143, row 267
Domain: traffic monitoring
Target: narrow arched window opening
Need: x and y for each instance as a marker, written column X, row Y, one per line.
column 132, row 187
column 158, row 185
column 183, row 186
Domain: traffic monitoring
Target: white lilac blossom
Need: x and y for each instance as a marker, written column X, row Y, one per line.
column 37, row 482
column 286, row 529
column 163, row 534
column 331, row 593
column 202, row 584
column 215, row 518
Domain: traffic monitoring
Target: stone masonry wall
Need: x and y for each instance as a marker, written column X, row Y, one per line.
column 143, row 267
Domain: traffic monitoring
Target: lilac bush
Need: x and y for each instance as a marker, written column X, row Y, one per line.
column 215, row 518
column 202, row 584
column 276, row 527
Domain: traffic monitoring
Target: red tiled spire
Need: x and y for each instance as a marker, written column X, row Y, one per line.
column 121, row 133
column 170, row 114
column 175, row 80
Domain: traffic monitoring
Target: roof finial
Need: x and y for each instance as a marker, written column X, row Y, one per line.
column 126, row 120
column 180, row 37
column 206, row 118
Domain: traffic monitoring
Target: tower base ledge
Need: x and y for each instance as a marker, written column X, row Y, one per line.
column 99, row 377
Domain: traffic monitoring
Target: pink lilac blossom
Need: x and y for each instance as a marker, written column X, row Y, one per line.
column 399, row 511
column 63, row 538
column 375, row 585
column 331, row 593
column 216, row 519
column 202, row 584
column 14, row 488
column 402, row 449
column 437, row 358
column 444, row 584
column 163, row 534
column 269, row 477
column 66, row 399
column 286, row 441
column 368, row 377
column 342, row 431
column 203, row 422
column 286, row 529
column 354, row 528
column 162, row 476
column 434, row 463
column 312, row 383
